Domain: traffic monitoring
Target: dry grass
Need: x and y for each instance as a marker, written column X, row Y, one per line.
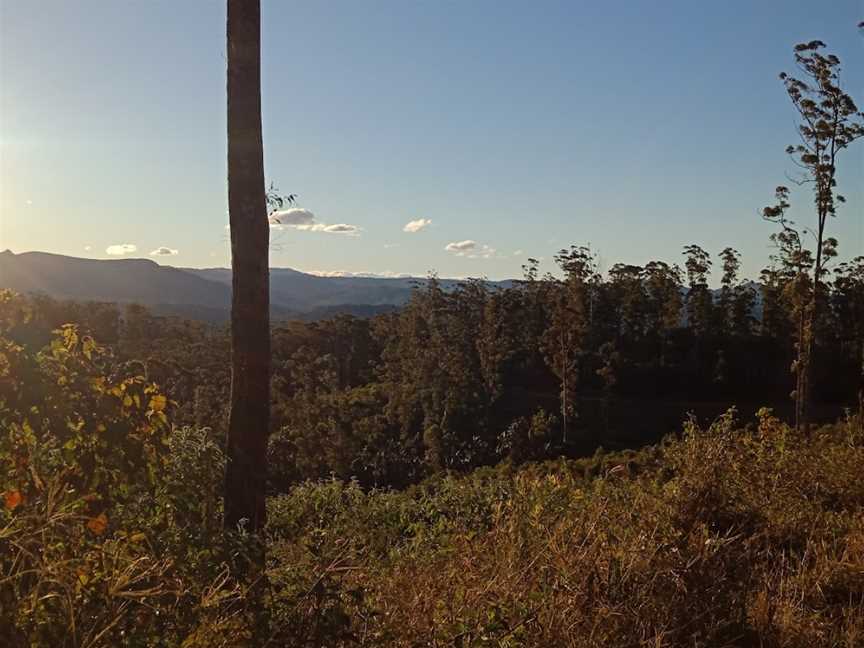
column 729, row 537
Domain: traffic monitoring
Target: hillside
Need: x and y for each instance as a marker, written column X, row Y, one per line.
column 120, row 280
column 203, row 294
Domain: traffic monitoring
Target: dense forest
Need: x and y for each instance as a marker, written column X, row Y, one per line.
column 555, row 366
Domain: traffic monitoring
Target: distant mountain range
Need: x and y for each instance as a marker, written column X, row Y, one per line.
column 200, row 293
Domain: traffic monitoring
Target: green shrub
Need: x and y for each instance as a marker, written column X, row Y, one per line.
column 108, row 513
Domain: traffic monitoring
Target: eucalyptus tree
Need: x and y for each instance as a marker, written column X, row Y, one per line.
column 731, row 263
column 249, row 418
column 570, row 314
column 532, row 296
column 737, row 298
column 795, row 262
column 828, row 122
column 626, row 283
column 699, row 299
column 663, row 288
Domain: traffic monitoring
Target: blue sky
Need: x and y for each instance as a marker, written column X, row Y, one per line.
column 637, row 127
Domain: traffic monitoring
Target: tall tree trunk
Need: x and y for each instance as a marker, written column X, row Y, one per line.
column 813, row 313
column 249, row 420
column 802, row 364
column 564, row 387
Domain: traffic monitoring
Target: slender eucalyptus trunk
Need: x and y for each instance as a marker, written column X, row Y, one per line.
column 799, row 371
column 812, row 312
column 564, row 402
column 802, row 365
column 249, row 420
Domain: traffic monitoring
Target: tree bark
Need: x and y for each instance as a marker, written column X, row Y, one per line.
column 249, row 419
column 564, row 368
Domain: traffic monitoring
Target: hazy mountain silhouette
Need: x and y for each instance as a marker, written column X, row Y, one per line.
column 199, row 293
column 116, row 280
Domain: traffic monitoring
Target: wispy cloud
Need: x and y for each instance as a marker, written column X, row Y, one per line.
column 471, row 249
column 87, row 248
column 121, row 249
column 339, row 228
column 387, row 274
column 164, row 251
column 417, row 225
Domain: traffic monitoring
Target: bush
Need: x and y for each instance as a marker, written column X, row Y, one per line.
column 108, row 513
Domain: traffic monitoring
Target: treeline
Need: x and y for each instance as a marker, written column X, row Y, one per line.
column 556, row 365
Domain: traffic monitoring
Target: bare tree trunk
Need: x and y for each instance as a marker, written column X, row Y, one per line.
column 249, row 420
column 802, row 370
column 813, row 311
column 564, row 387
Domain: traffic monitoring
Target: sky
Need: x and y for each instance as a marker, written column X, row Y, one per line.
column 498, row 130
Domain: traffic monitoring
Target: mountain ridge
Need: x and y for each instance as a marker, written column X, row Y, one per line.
column 201, row 293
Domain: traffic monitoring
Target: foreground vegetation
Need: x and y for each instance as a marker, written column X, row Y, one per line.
column 728, row 536
column 739, row 534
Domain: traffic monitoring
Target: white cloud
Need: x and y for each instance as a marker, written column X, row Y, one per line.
column 304, row 220
column 292, row 217
column 164, row 251
column 461, row 246
column 342, row 228
column 417, row 225
column 339, row 228
column 387, row 246
column 471, row 249
column 120, row 249
column 518, row 253
column 87, row 248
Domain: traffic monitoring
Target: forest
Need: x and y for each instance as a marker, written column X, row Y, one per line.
column 554, row 366
column 664, row 455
